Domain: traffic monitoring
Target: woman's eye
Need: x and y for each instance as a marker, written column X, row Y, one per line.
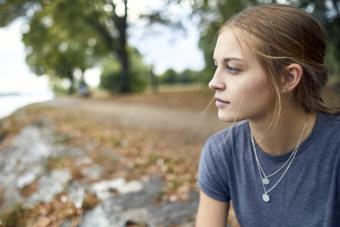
column 232, row 70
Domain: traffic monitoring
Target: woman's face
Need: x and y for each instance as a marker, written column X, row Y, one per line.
column 242, row 89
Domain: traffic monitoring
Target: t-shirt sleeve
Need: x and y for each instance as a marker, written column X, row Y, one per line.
column 212, row 173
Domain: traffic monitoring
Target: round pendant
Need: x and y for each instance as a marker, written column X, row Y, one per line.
column 265, row 197
column 265, row 180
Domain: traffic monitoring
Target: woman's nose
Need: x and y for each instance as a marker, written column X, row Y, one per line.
column 216, row 83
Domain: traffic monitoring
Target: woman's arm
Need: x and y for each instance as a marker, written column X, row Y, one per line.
column 211, row 212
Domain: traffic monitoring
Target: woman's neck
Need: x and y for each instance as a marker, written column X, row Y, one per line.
column 284, row 136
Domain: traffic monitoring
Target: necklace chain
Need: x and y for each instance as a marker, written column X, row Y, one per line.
column 257, row 160
column 289, row 161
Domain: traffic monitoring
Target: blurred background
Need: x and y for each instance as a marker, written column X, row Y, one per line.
column 104, row 106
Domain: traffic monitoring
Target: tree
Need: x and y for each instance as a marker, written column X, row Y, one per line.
column 169, row 77
column 108, row 18
column 58, row 52
column 328, row 13
column 213, row 13
column 189, row 76
column 110, row 73
column 100, row 15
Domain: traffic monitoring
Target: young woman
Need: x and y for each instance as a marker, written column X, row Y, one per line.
column 279, row 164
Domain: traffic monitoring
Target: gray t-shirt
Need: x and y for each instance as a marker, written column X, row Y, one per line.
column 307, row 196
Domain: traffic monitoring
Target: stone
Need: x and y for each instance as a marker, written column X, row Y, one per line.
column 83, row 161
column 121, row 208
column 49, row 186
column 174, row 213
column 95, row 218
column 92, row 172
column 132, row 186
column 76, row 193
column 22, row 162
column 25, row 180
column 103, row 189
column 133, row 202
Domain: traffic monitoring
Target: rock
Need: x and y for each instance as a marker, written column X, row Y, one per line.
column 103, row 189
column 68, row 151
column 128, row 208
column 92, row 172
column 32, row 145
column 76, row 193
column 139, row 215
column 48, row 187
column 173, row 213
column 27, row 150
column 140, row 207
column 119, row 209
column 135, row 201
column 96, row 217
column 66, row 223
column 83, row 161
column 132, row 186
column 28, row 177
column 22, row 162
column 25, row 180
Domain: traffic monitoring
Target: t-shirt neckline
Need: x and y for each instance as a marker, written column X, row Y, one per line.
column 304, row 145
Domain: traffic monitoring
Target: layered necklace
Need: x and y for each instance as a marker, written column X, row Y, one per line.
column 285, row 166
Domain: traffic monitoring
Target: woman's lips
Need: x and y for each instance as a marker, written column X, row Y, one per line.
column 221, row 103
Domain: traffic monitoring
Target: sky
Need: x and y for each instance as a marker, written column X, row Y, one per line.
column 160, row 47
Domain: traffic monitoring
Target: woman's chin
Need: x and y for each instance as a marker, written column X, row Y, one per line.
column 228, row 117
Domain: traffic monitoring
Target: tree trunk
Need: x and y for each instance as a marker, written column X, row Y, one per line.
column 121, row 23
column 153, row 81
column 71, row 88
column 125, row 85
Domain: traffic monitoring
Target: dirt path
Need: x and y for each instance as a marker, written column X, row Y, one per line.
column 149, row 116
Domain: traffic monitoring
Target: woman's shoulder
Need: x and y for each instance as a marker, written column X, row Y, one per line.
column 332, row 117
column 229, row 135
column 330, row 121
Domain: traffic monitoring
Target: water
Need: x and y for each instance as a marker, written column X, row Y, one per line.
column 10, row 103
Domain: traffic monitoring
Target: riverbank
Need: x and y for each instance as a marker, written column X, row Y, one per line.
column 100, row 151
column 75, row 162
column 11, row 101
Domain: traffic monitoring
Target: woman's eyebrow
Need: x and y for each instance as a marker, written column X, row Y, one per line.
column 227, row 59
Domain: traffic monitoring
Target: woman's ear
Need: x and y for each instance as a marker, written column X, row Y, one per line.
column 291, row 77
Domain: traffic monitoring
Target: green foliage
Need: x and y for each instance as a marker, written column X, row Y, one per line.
column 111, row 77
column 214, row 13
column 189, row 76
column 59, row 90
column 13, row 9
column 328, row 13
column 169, row 77
column 67, row 35
column 332, row 60
column 111, row 81
column 58, row 47
column 186, row 77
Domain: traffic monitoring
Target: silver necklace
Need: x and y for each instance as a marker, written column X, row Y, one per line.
column 264, row 177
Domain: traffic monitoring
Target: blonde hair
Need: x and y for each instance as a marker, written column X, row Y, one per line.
column 280, row 35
